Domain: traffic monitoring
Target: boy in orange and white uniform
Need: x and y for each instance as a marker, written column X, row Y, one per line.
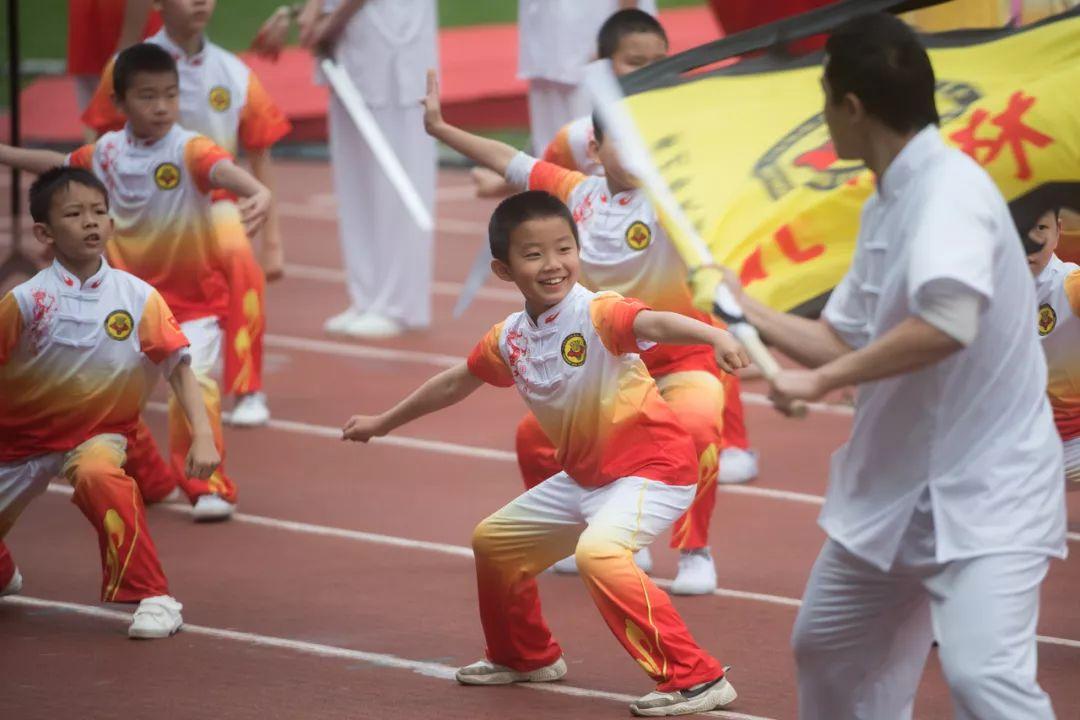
column 624, row 249
column 160, row 178
column 221, row 98
column 630, row 468
column 633, row 39
column 77, row 342
column 1057, row 287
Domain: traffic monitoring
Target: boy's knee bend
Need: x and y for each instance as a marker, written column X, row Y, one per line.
column 93, row 473
column 483, row 538
column 596, row 555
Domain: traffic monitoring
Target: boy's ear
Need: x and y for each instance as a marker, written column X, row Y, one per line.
column 43, row 234
column 501, row 270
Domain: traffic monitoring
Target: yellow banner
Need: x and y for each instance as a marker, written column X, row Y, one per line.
column 749, row 159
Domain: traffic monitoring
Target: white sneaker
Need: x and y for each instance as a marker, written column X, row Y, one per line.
column 175, row 496
column 209, row 508
column 250, row 410
column 372, row 326
column 339, row 322
column 698, row 699
column 156, row 617
column 737, row 466
column 566, row 566
column 484, row 672
column 14, row 586
column 697, row 573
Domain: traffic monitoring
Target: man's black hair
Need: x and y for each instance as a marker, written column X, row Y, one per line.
column 141, row 58
column 518, row 209
column 623, row 23
column 50, row 182
column 879, row 59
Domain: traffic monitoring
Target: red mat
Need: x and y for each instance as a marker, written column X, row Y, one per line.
column 480, row 87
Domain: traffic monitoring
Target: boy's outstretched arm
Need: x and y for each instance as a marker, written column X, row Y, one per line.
column 441, row 391
column 33, row 161
column 255, row 197
column 484, row 151
column 203, row 457
column 674, row 329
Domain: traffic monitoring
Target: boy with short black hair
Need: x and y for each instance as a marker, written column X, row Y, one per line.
column 625, row 249
column 75, row 342
column 630, row 467
column 221, row 98
column 160, row 178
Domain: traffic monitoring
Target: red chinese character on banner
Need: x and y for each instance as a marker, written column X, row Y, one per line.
column 1013, row 134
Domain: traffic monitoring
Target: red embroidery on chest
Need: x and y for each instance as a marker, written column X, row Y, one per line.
column 584, row 210
column 44, row 307
column 516, row 351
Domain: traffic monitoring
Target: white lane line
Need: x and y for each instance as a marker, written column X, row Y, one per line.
column 426, row 669
column 450, row 289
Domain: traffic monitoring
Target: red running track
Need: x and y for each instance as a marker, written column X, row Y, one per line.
column 345, row 588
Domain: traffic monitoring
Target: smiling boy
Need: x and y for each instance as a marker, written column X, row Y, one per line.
column 630, row 467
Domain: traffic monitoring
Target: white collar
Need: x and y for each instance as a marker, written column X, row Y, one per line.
column 162, row 38
column 93, row 283
column 549, row 315
column 926, row 143
column 146, row 144
column 1052, row 269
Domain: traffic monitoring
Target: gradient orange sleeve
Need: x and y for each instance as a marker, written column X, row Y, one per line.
column 556, row 180
column 1072, row 290
column 613, row 317
column 262, row 123
column 200, row 156
column 486, row 362
column 82, row 158
column 102, row 115
column 558, row 150
column 159, row 333
column 11, row 323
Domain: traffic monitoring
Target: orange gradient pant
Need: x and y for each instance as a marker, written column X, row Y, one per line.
column 155, row 477
column 245, row 321
column 734, row 425
column 108, row 498
column 603, row 527
column 697, row 397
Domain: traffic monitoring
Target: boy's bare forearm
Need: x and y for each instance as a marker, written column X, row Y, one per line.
column 188, row 393
column 227, row 175
column 674, row 329
column 34, row 161
column 484, row 151
column 811, row 343
column 441, row 391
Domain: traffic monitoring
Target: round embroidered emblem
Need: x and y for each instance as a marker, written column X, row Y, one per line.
column 119, row 324
column 638, row 236
column 1047, row 319
column 220, row 98
column 167, row 176
column 573, row 350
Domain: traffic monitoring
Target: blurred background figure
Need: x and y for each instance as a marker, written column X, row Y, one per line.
column 386, row 47
column 556, row 40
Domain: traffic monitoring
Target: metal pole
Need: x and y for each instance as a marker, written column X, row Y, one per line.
column 13, row 109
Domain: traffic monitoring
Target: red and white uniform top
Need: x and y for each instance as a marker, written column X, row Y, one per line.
column 159, row 197
column 570, row 148
column 578, row 370
column 625, row 249
column 220, row 97
column 1058, row 293
column 74, row 358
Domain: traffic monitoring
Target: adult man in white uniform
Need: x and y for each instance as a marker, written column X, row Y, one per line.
column 946, row 504
column 556, row 40
column 386, row 47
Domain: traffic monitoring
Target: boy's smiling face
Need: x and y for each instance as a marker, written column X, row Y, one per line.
column 543, row 262
column 79, row 225
column 152, row 104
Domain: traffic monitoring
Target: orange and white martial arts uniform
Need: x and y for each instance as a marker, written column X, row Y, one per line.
column 77, row 362
column 166, row 234
column 629, row 471
column 1058, row 290
column 221, row 98
column 624, row 249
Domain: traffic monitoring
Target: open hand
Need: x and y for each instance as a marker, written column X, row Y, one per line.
column 202, row 458
column 253, row 211
column 361, row 428
column 432, row 105
column 730, row 353
column 272, row 35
